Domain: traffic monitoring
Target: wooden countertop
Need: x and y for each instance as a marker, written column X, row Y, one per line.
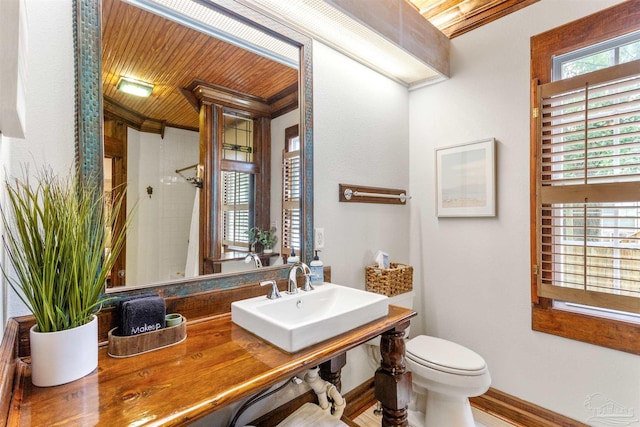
column 218, row 364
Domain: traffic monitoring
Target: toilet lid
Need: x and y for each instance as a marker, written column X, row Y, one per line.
column 444, row 355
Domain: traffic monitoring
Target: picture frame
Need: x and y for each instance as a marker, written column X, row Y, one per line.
column 466, row 179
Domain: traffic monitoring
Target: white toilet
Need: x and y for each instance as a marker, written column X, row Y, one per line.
column 445, row 375
column 450, row 374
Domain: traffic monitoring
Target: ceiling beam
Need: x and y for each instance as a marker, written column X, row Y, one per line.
column 401, row 24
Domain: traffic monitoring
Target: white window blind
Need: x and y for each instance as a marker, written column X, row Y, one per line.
column 588, row 193
column 236, row 193
column 291, row 226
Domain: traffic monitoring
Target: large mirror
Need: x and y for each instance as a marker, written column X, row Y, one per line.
column 169, row 148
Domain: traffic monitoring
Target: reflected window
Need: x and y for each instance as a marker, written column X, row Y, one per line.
column 237, row 183
column 237, row 190
column 237, row 142
column 291, row 190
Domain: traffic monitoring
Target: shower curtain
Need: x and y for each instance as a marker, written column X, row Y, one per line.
column 192, row 267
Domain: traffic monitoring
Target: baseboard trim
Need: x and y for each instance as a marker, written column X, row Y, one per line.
column 359, row 399
column 520, row 412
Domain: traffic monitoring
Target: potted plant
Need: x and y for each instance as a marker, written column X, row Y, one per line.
column 267, row 239
column 252, row 234
column 61, row 242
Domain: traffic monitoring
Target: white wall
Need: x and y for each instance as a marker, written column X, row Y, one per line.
column 474, row 273
column 50, row 101
column 361, row 137
column 361, row 122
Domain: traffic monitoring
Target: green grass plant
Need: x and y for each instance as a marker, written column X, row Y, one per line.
column 55, row 236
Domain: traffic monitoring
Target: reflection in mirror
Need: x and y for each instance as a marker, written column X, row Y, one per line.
column 196, row 154
column 90, row 121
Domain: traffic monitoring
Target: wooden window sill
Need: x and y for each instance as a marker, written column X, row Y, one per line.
column 602, row 331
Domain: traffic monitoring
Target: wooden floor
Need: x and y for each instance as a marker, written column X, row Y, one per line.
column 483, row 419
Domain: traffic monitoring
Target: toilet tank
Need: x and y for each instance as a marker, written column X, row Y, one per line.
column 404, row 300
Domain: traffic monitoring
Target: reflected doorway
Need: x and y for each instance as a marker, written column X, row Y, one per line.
column 115, row 178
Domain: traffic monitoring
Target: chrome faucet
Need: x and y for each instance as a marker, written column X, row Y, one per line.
column 273, row 292
column 292, row 288
column 255, row 258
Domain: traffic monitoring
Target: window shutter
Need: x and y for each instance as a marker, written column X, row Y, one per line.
column 291, row 225
column 588, row 191
column 236, row 192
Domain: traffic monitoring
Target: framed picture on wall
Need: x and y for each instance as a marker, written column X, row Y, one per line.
column 465, row 179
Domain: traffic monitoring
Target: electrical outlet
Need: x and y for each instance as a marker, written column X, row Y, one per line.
column 318, row 238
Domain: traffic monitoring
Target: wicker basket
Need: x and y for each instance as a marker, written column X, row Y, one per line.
column 397, row 279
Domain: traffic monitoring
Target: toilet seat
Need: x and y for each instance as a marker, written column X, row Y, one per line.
column 445, row 356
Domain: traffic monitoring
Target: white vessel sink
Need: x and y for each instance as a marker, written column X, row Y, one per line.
column 294, row 322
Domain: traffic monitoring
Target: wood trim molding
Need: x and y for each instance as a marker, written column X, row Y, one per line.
column 521, row 412
column 9, row 354
column 399, row 22
column 284, row 101
column 133, row 119
column 214, row 94
column 605, row 332
column 359, row 399
column 113, row 147
column 468, row 23
column 615, row 21
column 262, row 178
column 612, row 22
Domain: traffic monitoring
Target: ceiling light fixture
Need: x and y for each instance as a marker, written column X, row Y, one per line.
column 134, row 87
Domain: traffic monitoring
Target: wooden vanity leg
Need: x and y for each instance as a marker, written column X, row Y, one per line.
column 331, row 370
column 392, row 380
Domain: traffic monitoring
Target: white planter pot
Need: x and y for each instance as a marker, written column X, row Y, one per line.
column 64, row 356
column 267, row 251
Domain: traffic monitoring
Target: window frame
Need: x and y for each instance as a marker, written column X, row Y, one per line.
column 607, row 24
column 291, row 133
column 247, row 165
column 211, row 139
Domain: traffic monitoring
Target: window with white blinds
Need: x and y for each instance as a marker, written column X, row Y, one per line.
column 588, row 192
column 291, row 192
column 236, row 195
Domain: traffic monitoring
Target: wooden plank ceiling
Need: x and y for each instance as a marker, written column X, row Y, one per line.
column 456, row 17
column 147, row 47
